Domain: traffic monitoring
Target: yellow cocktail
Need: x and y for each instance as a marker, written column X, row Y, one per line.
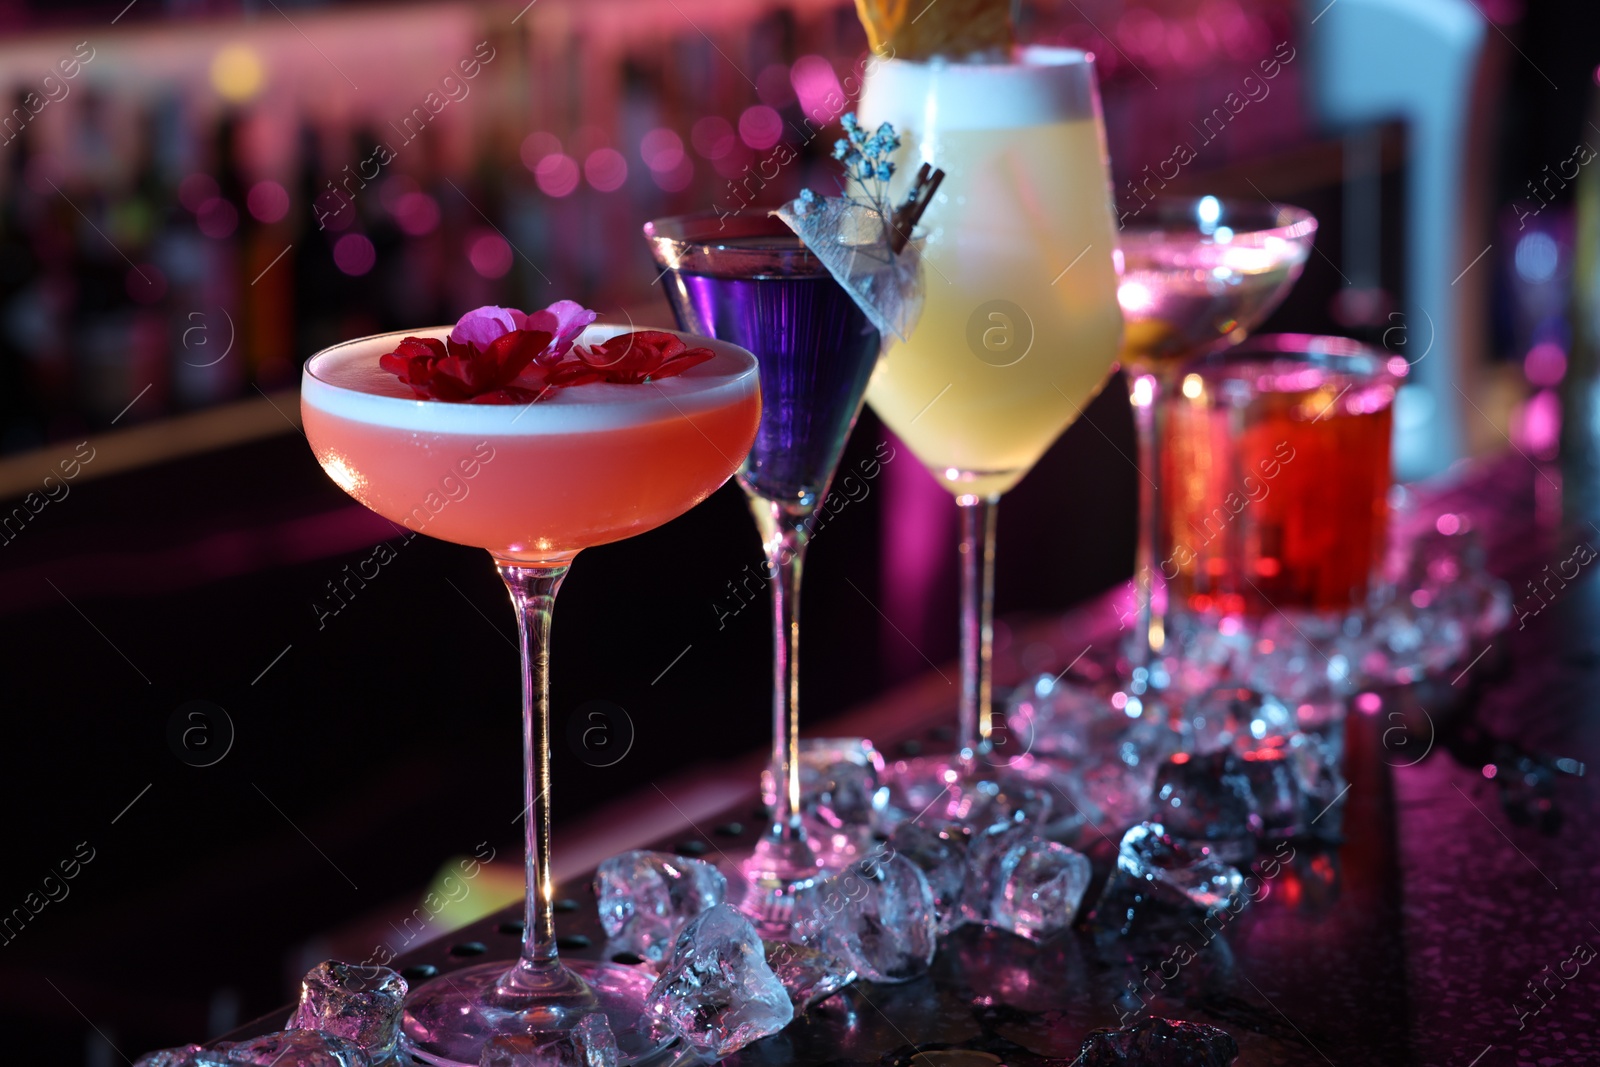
column 1021, row 325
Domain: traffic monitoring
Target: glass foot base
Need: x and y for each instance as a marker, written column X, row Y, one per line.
column 938, row 789
column 773, row 876
column 449, row 1019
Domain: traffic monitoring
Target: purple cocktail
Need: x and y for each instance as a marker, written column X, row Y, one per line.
column 816, row 351
column 746, row 279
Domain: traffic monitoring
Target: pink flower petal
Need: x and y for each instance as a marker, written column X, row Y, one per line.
column 565, row 319
column 481, row 327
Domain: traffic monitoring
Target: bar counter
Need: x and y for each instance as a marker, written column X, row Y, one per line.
column 1440, row 932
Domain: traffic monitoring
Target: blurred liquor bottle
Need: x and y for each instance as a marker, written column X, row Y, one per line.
column 1580, row 423
column 266, row 273
column 22, row 414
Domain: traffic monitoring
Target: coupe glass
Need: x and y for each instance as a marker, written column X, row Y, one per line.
column 1197, row 276
column 746, row 278
column 1019, row 330
column 533, row 484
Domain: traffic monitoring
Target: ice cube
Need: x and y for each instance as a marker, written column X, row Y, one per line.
column 360, row 1004
column 1060, row 717
column 1275, row 785
column 840, row 786
column 936, row 790
column 647, row 897
column 1206, row 800
column 1109, row 789
column 286, row 1048
column 1159, row 1043
column 810, row 976
column 1039, row 888
column 717, row 991
column 996, row 796
column 1226, row 716
column 940, row 852
column 1105, row 743
column 183, row 1056
column 877, row 917
column 984, row 854
column 588, row 1044
column 1154, row 867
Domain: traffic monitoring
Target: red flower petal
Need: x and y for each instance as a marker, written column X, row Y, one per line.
column 692, row 357
column 527, row 365
column 645, row 355
column 414, row 362
column 459, row 373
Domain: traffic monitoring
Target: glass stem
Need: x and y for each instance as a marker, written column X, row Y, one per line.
column 974, row 721
column 538, row 972
column 784, row 855
column 1145, row 391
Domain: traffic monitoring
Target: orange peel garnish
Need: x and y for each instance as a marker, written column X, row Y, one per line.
column 954, row 29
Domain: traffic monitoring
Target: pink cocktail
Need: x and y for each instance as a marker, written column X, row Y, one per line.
column 533, row 483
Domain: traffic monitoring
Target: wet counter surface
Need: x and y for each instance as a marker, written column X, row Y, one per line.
column 1442, row 931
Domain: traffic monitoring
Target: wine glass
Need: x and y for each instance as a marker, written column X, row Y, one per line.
column 745, row 277
column 533, row 484
column 1197, row 275
column 1019, row 330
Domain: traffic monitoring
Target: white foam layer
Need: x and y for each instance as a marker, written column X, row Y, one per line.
column 346, row 381
column 1042, row 86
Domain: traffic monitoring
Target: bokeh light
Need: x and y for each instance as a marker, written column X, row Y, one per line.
column 1537, row 257
column 237, row 73
column 760, row 127
column 556, row 174
column 354, row 254
column 488, row 253
column 661, row 149
column 268, row 201
column 822, row 98
column 606, row 169
column 1545, row 364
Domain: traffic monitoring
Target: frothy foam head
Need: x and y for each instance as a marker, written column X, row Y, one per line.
column 1041, row 86
column 347, row 381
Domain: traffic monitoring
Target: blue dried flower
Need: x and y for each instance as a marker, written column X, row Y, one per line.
column 807, row 196
column 848, row 121
column 841, row 148
column 885, row 171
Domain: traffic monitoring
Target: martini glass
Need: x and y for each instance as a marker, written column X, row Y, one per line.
column 533, row 484
column 1197, row 276
column 746, row 278
column 1019, row 330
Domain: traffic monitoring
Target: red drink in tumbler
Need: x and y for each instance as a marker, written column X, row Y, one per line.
column 1276, row 475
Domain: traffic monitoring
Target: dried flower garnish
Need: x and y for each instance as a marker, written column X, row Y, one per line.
column 642, row 356
column 867, row 164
